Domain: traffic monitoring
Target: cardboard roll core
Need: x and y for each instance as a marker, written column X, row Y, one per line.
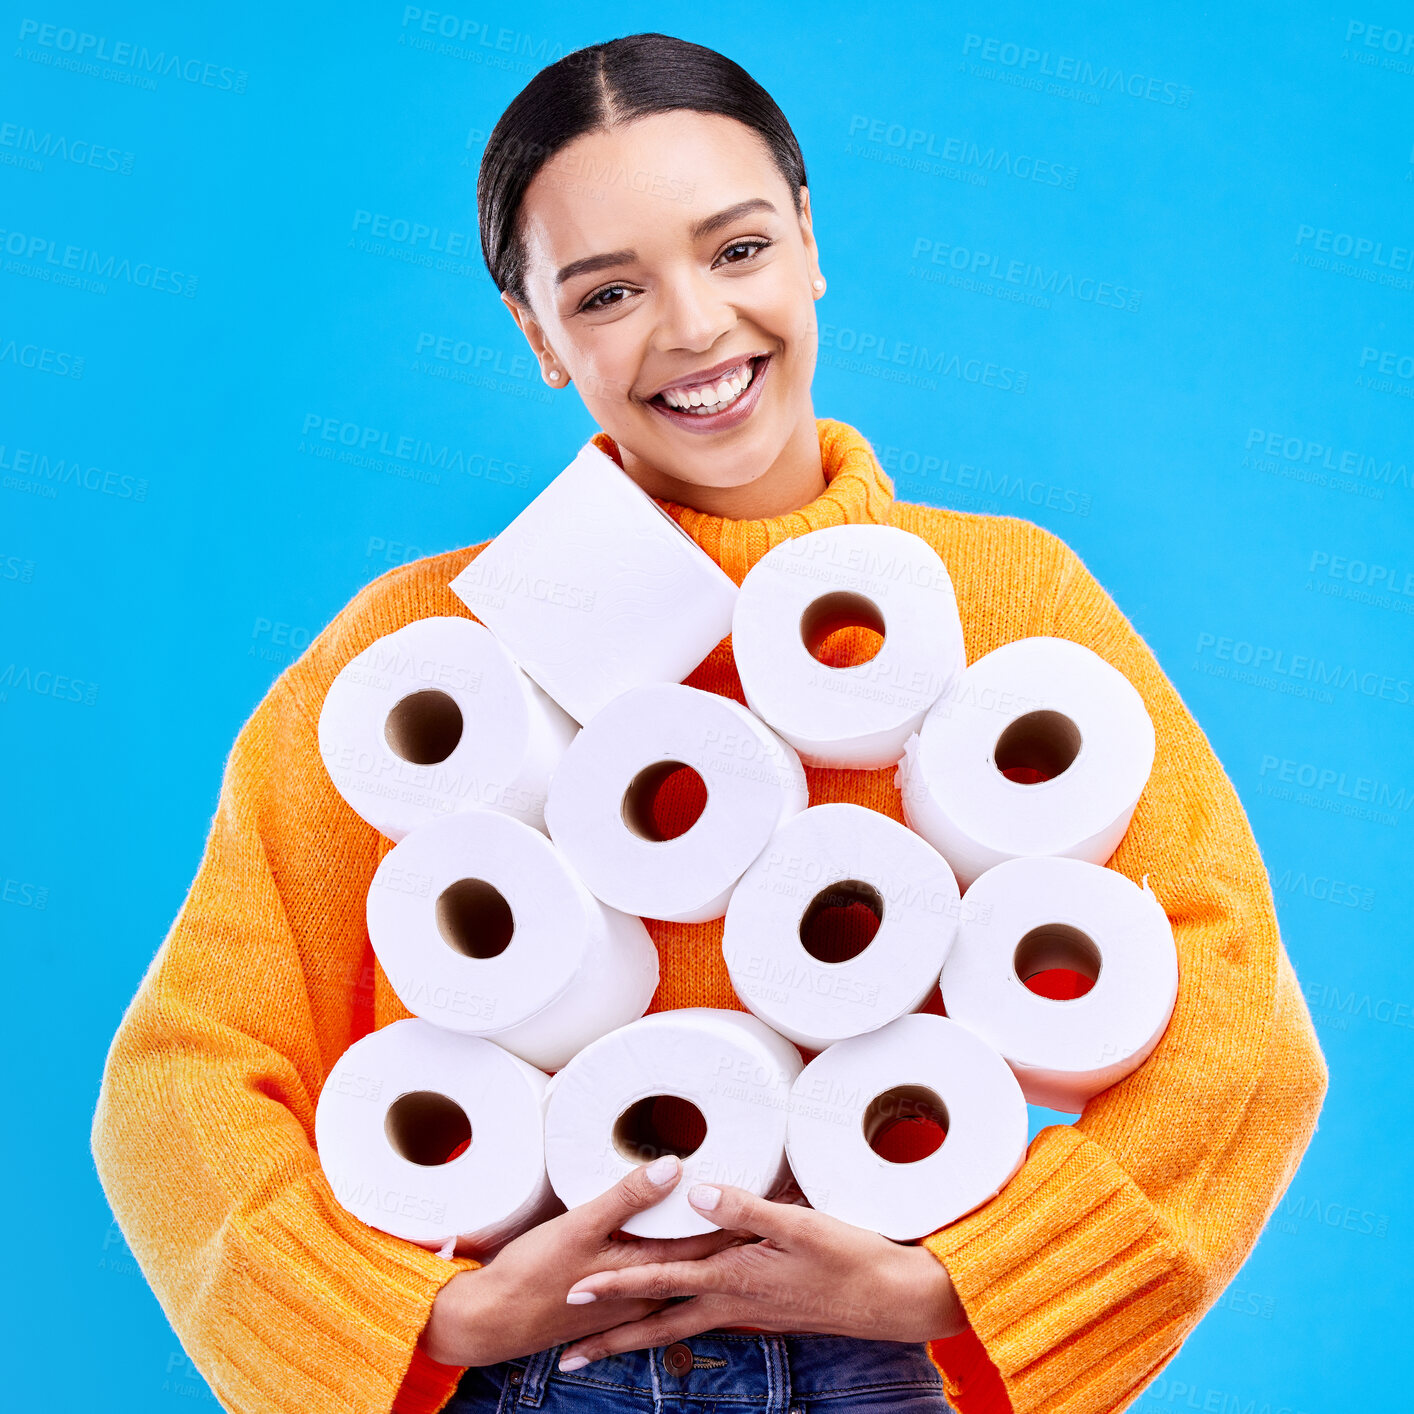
column 1037, row 747
column 427, row 1128
column 474, row 918
column 657, row 1125
column 841, row 920
column 664, row 800
column 1057, row 961
column 424, row 728
column 906, row 1123
column 842, row 629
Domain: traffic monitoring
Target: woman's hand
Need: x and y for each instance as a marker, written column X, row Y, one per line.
column 812, row 1272
column 515, row 1304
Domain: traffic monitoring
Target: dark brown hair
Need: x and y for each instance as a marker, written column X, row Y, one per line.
column 594, row 88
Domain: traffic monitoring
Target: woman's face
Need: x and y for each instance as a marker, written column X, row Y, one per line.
column 667, row 252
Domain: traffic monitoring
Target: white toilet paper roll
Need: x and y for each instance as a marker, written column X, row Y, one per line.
column 869, row 576
column 920, row 1068
column 629, row 1097
column 842, row 924
column 483, row 927
column 1041, row 747
column 601, row 806
column 429, row 1135
column 596, row 589
column 1029, row 916
column 434, row 718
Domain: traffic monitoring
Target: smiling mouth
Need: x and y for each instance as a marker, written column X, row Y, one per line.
column 706, row 399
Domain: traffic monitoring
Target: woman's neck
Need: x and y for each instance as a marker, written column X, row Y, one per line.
column 793, row 480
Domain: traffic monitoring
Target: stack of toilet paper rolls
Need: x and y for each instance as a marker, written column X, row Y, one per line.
column 550, row 782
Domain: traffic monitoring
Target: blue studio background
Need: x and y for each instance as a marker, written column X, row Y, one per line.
column 1185, row 235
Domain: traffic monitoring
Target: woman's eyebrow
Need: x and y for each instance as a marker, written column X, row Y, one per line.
column 704, row 227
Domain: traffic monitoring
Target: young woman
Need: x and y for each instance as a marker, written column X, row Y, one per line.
column 645, row 214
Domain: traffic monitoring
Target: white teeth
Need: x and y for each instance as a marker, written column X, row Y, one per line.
column 710, row 396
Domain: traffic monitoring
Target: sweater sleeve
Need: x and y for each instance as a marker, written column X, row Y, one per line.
column 203, row 1134
column 1083, row 1277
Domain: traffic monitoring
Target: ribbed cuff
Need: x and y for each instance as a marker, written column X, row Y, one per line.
column 1071, row 1281
column 332, row 1300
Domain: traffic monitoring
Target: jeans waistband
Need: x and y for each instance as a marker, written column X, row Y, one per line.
column 770, row 1371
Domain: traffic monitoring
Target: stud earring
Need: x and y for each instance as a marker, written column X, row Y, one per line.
column 819, row 284
column 554, row 374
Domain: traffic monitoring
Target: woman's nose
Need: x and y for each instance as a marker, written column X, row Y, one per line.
column 695, row 313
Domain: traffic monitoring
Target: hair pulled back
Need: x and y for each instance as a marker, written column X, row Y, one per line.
column 599, row 87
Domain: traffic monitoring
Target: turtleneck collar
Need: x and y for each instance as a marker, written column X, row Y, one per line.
column 857, row 492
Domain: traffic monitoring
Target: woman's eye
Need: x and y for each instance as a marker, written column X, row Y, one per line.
column 599, row 301
column 752, row 246
column 592, row 302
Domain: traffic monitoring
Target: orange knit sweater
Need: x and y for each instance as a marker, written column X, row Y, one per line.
column 1080, row 1280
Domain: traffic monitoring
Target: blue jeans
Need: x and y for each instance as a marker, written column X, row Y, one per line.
column 716, row 1372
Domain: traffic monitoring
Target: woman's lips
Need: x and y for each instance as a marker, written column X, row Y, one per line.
column 738, row 411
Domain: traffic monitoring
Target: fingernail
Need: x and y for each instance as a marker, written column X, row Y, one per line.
column 703, row 1195
column 573, row 1362
column 579, row 1298
column 661, row 1170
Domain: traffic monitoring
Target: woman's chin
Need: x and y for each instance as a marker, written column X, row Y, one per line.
column 718, row 473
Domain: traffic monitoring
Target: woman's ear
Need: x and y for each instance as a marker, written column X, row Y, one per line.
column 534, row 334
column 807, row 235
column 526, row 323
